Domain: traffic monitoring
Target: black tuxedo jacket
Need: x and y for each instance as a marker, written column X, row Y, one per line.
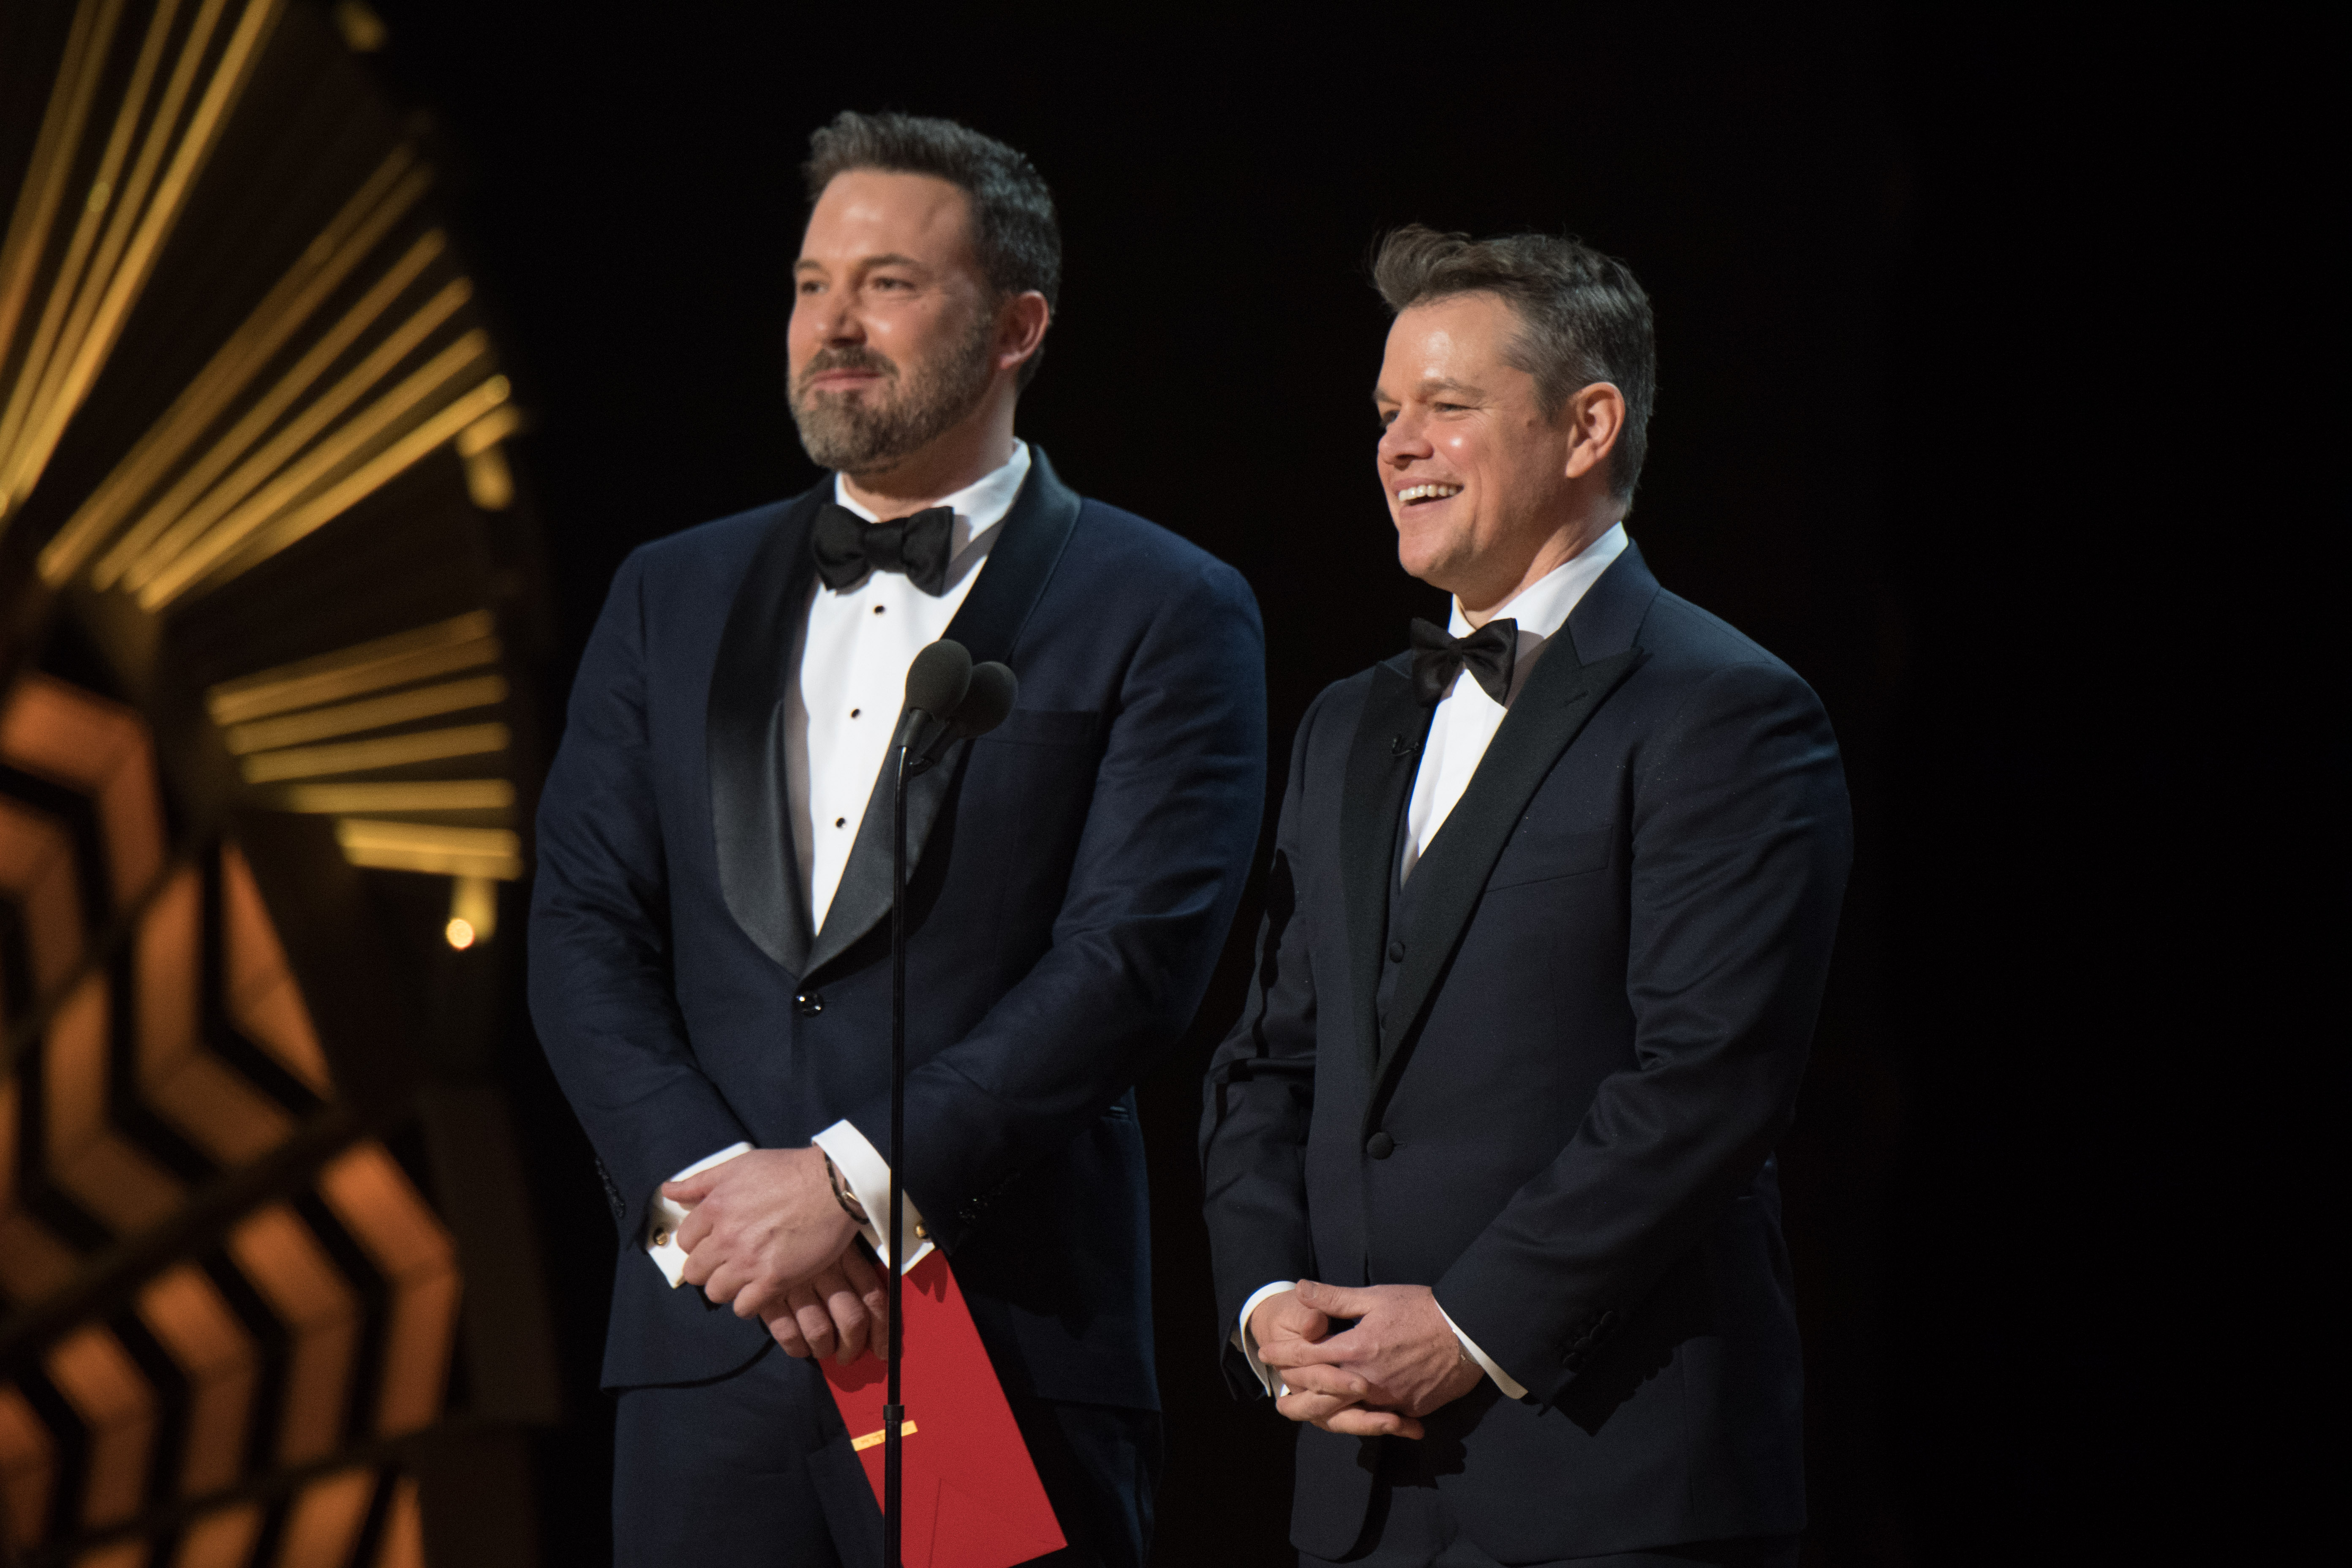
column 1546, row 1079
column 1074, row 873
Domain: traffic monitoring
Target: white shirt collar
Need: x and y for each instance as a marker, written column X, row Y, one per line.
column 979, row 506
column 1543, row 606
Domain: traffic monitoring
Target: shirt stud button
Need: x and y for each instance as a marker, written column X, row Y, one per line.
column 853, row 712
column 878, row 609
column 841, row 822
column 922, row 1234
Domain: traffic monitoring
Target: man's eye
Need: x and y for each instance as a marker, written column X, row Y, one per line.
column 892, row 283
column 810, row 286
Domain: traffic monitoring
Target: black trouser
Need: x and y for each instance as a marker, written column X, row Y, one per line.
column 754, row 1470
column 1411, row 1526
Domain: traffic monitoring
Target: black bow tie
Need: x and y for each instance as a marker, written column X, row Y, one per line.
column 1486, row 654
column 848, row 547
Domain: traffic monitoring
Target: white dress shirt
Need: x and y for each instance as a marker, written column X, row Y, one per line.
column 841, row 710
column 1459, row 732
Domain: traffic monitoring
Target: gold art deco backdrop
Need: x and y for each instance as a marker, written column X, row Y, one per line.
column 267, row 1292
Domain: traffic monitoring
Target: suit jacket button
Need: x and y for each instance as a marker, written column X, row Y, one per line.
column 809, row 1003
column 1396, row 953
column 1380, row 1145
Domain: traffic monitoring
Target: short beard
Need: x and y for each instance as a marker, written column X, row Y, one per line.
column 858, row 435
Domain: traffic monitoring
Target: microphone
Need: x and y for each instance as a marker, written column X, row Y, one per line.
column 936, row 685
column 987, row 701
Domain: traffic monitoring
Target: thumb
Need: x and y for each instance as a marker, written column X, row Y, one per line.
column 1335, row 1300
column 692, row 1190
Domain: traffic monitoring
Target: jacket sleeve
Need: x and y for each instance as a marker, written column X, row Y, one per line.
column 600, row 992
column 1260, row 1098
column 1159, row 869
column 1741, row 839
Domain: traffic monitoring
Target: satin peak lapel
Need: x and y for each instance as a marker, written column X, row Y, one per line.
column 1381, row 762
column 1549, row 712
column 750, row 806
column 988, row 624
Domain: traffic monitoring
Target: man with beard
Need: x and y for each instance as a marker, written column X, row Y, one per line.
column 709, row 937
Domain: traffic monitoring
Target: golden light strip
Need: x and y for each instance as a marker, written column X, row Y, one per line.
column 459, row 643
column 129, row 277
column 368, row 757
column 391, row 799
column 88, row 44
column 292, row 527
column 373, row 714
column 269, row 470
column 71, row 283
column 381, row 201
column 495, row 852
column 173, row 508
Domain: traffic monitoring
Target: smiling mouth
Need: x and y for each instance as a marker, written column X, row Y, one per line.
column 1414, row 495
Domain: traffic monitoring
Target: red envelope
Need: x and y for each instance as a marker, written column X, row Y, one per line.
column 971, row 1496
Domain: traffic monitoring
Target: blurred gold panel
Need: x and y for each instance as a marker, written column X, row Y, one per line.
column 290, row 507
column 222, row 1539
column 55, row 154
column 495, row 852
column 381, row 201
column 285, row 1262
column 384, row 1214
column 188, row 1316
column 264, row 1002
column 372, row 756
column 117, row 1407
column 122, row 1554
column 444, row 648
column 371, row 713
column 100, row 747
column 63, row 361
column 403, row 1529
column 142, row 555
column 104, row 1172
column 397, row 799
column 324, row 1523
column 205, row 1098
column 28, row 1467
column 37, row 875
column 195, row 499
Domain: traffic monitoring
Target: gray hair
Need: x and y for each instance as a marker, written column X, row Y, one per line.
column 1582, row 318
column 1015, row 231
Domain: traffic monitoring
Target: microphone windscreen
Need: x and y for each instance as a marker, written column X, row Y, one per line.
column 938, row 679
column 989, row 699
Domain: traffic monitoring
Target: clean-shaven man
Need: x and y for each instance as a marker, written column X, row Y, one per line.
column 709, row 940
column 1490, row 1155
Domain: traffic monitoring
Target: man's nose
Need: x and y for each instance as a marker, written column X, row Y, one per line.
column 1404, row 441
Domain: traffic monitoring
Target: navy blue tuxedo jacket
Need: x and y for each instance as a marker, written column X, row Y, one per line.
column 1072, row 878
column 1547, row 1078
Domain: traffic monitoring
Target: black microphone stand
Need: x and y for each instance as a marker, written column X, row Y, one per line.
column 894, row 1413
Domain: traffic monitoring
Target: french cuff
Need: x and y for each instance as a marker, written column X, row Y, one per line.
column 663, row 1216
column 1247, row 1342
column 869, row 1176
column 1502, row 1378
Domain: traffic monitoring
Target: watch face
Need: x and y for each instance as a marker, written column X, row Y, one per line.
column 268, row 603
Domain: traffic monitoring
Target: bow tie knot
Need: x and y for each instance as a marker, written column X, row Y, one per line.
column 1487, row 654
column 847, row 547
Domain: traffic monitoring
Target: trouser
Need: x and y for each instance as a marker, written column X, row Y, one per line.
column 754, row 1470
column 1411, row 1525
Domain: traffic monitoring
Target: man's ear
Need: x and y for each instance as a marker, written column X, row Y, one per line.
column 1594, row 416
column 1021, row 328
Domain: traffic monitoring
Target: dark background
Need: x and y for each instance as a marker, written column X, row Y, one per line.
column 1968, row 328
